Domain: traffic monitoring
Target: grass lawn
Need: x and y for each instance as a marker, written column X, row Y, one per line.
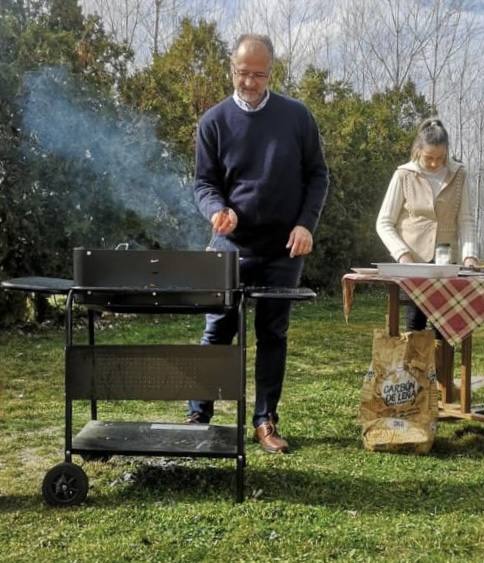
column 329, row 499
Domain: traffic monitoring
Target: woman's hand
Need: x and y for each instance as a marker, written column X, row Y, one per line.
column 405, row 258
column 471, row 262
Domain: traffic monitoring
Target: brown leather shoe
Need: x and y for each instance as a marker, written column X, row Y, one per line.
column 269, row 439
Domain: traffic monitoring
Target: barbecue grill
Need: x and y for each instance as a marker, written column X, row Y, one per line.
column 150, row 281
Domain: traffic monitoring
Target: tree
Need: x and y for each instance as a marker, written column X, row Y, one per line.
column 150, row 26
column 12, row 168
column 448, row 34
column 390, row 36
column 122, row 18
column 182, row 84
column 34, row 181
column 65, row 37
column 65, row 15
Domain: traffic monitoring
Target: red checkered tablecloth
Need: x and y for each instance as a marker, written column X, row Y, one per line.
column 455, row 306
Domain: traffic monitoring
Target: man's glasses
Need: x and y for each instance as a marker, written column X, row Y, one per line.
column 247, row 74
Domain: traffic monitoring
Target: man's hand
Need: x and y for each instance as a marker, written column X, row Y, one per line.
column 300, row 241
column 224, row 221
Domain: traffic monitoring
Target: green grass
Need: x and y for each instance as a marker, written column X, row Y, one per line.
column 327, row 500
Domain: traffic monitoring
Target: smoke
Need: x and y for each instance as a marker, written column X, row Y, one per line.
column 112, row 148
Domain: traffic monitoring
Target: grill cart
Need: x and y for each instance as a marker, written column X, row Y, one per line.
column 150, row 282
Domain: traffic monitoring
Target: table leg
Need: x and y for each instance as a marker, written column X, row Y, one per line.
column 444, row 364
column 464, row 408
column 465, row 382
column 393, row 310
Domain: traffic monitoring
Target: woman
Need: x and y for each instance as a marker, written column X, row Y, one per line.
column 427, row 204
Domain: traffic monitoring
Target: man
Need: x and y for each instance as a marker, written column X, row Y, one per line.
column 261, row 181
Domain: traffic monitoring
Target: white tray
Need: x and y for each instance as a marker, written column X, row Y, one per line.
column 365, row 271
column 414, row 270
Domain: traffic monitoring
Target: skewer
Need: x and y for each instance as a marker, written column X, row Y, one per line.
column 210, row 247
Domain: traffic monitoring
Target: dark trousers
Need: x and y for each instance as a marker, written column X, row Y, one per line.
column 271, row 324
column 417, row 320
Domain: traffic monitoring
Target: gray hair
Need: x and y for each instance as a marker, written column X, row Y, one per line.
column 430, row 132
column 264, row 39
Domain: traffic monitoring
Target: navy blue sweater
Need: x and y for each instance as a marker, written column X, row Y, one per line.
column 267, row 165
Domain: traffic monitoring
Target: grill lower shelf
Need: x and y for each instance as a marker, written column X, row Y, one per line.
column 153, row 438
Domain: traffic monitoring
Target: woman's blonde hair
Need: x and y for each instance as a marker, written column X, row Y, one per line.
column 430, row 132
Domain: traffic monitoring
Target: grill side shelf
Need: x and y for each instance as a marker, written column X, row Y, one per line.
column 291, row 293
column 39, row 284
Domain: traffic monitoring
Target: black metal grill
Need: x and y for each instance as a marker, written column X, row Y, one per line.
column 150, row 281
column 167, row 270
column 190, row 281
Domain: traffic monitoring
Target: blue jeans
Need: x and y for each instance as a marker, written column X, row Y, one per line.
column 271, row 324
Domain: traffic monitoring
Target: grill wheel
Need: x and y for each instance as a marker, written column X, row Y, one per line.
column 66, row 484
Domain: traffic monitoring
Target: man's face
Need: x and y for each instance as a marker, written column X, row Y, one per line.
column 251, row 68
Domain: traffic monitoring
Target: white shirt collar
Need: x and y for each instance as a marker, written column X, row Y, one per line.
column 247, row 107
column 413, row 166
